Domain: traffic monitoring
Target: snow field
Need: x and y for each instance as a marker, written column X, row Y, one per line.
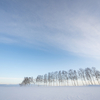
column 50, row 93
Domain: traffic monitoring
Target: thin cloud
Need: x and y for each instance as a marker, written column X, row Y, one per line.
column 71, row 26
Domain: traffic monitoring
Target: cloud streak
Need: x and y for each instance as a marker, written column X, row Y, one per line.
column 71, row 26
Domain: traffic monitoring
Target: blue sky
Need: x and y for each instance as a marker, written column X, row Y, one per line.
column 41, row 36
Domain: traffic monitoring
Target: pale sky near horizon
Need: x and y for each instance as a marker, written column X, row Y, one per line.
column 41, row 36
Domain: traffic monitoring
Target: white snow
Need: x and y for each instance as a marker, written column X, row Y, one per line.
column 50, row 93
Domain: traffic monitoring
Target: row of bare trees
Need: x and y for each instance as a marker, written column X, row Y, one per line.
column 87, row 76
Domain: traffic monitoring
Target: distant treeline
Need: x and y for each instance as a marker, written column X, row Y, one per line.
column 87, row 76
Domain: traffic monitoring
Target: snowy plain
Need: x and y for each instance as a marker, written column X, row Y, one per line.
column 50, row 93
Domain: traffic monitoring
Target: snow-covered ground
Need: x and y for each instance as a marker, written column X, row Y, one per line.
column 50, row 93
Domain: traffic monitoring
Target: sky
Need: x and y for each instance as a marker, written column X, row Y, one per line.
column 41, row 36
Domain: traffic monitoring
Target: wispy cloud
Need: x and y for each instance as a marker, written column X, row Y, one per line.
column 71, row 26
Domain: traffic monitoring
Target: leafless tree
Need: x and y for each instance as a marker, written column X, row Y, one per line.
column 56, row 78
column 63, row 78
column 66, row 77
column 49, row 78
column 96, row 74
column 59, row 77
column 45, row 79
column 70, row 74
column 39, row 79
column 75, row 76
column 53, row 77
column 82, row 71
column 80, row 76
column 88, row 75
column 27, row 81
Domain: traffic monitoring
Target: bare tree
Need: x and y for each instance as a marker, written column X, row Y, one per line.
column 80, row 76
column 49, row 78
column 59, row 77
column 63, row 77
column 39, row 79
column 82, row 71
column 96, row 74
column 75, row 76
column 56, row 78
column 45, row 79
column 27, row 81
column 53, row 77
column 88, row 75
column 66, row 77
column 70, row 74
